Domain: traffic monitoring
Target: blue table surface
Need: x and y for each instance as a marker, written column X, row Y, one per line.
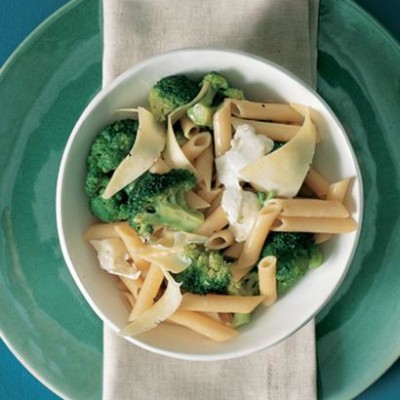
column 17, row 19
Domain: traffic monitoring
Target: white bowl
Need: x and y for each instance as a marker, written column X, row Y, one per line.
column 261, row 80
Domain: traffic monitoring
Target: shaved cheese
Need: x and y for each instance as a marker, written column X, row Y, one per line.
column 158, row 312
column 173, row 154
column 113, row 257
column 284, row 170
column 149, row 143
column 169, row 259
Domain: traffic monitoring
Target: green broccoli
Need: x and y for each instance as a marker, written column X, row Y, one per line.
column 247, row 286
column 112, row 145
column 208, row 271
column 108, row 149
column 217, row 89
column 170, row 93
column 296, row 252
column 158, row 199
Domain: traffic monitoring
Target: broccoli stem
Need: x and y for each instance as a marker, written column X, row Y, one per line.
column 240, row 319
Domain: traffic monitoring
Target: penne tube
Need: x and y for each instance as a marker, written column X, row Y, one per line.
column 128, row 300
column 133, row 285
column 313, row 208
column 253, row 246
column 209, row 195
column 234, row 250
column 278, row 112
column 148, row 292
column 204, row 165
column 317, row 183
column 322, row 237
column 193, row 200
column 267, row 279
column 314, row 225
column 189, row 128
column 204, row 325
column 214, row 204
column 133, row 244
column 214, row 222
column 102, row 231
column 337, row 190
column 220, row 303
column 220, row 240
column 222, row 128
column 129, row 237
column 276, row 132
column 196, row 145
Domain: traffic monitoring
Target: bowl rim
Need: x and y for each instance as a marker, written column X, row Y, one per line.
column 59, row 200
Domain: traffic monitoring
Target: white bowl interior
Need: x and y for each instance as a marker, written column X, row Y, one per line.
column 262, row 81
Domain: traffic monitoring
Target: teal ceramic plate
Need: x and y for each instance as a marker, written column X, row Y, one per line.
column 44, row 87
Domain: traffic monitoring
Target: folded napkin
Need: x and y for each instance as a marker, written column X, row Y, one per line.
column 283, row 31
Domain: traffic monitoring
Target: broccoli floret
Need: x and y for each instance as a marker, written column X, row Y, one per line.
column 247, row 286
column 170, row 93
column 296, row 252
column 158, row 199
column 217, row 89
column 108, row 149
column 112, row 145
column 208, row 271
column 110, row 210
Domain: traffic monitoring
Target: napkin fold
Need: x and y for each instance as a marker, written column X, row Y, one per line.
column 283, row 31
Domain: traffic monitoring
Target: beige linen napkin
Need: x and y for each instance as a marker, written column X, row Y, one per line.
column 285, row 32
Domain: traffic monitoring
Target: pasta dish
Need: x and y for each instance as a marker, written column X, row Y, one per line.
column 208, row 205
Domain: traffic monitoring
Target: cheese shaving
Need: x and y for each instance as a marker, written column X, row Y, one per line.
column 113, row 257
column 149, row 143
column 284, row 170
column 158, row 312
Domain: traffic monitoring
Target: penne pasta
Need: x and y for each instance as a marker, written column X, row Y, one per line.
column 102, row 231
column 337, row 191
column 220, row 303
column 204, row 164
column 214, row 204
column 317, row 183
column 209, row 195
column 204, row 325
column 252, row 247
column 193, row 200
column 313, row 208
column 214, row 222
column 267, row 279
column 220, row 240
column 148, row 291
column 128, row 300
column 276, row 132
column 222, row 129
column 234, row 250
column 265, row 111
column 189, row 128
column 133, row 285
column 196, row 145
column 314, row 225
